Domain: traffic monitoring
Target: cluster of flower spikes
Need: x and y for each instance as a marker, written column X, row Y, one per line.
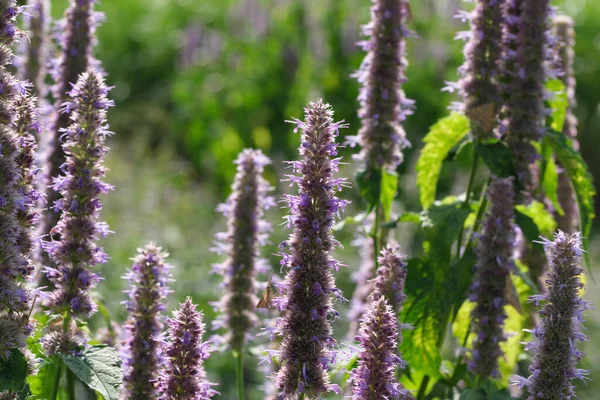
column 309, row 286
column 182, row 376
column 246, row 232
column 148, row 281
column 36, row 52
column 374, row 378
column 481, row 71
column 526, row 52
column 80, row 186
column 77, row 40
column 495, row 253
column 554, row 346
column 383, row 104
column 17, row 196
column 564, row 34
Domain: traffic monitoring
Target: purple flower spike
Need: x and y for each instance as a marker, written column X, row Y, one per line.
column 564, row 58
column 306, row 350
column 554, row 341
column 526, row 51
column 246, row 232
column 390, row 277
column 383, row 104
column 183, row 376
column 374, row 377
column 149, row 280
column 36, row 54
column 494, row 262
column 77, row 40
column 17, row 215
column 480, row 72
column 80, row 186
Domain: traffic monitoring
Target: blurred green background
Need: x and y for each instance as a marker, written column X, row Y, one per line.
column 199, row 80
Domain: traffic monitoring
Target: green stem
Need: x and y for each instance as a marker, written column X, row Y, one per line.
column 57, row 377
column 376, row 235
column 468, row 198
column 70, row 385
column 239, row 373
column 423, row 388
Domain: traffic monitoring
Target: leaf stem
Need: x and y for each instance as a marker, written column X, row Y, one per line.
column 423, row 387
column 239, row 373
column 468, row 198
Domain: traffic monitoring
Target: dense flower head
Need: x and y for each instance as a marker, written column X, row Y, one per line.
column 17, row 215
column 494, row 252
column 57, row 340
column 246, row 232
column 80, row 187
column 481, row 71
column 148, row 281
column 383, row 104
column 75, row 58
column 377, row 361
column 309, row 286
column 364, row 284
column 554, row 340
column 183, row 376
column 36, row 52
column 526, row 50
column 564, row 57
column 391, row 276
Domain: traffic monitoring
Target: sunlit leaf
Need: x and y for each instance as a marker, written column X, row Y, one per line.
column 559, row 102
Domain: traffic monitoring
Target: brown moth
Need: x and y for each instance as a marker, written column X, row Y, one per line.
column 266, row 300
column 483, row 115
column 511, row 296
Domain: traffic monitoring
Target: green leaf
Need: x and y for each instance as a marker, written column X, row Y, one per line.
column 369, row 185
column 550, row 184
column 389, row 186
column 581, row 179
column 406, row 217
column 99, row 368
column 13, row 372
column 540, row 216
column 498, row 158
column 443, row 136
column 40, row 384
column 351, row 220
column 558, row 103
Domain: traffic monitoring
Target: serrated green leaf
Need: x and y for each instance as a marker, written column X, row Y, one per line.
column 443, row 136
column 13, row 372
column 542, row 218
column 581, row 179
column 559, row 102
column 550, row 184
column 497, row 157
column 99, row 368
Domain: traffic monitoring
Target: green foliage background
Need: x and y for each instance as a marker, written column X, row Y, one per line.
column 199, row 80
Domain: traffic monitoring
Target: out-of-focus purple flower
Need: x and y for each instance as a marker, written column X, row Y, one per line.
column 525, row 53
column 390, row 277
column 495, row 251
column 479, row 84
column 77, row 40
column 309, row 286
column 564, row 57
column 36, row 54
column 16, row 193
column 246, row 232
column 65, row 342
column 383, row 104
column 148, row 280
column 183, row 376
column 374, row 377
column 364, row 285
column 554, row 342
column 80, row 186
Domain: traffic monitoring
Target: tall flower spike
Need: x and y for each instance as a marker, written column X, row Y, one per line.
column 16, row 194
column 306, row 350
column 383, row 104
column 564, row 56
column 80, row 187
column 483, row 54
column 36, row 54
column 377, row 361
column 494, row 262
column 148, row 280
column 390, row 277
column 526, row 50
column 75, row 59
column 183, row 376
column 246, row 232
column 554, row 345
